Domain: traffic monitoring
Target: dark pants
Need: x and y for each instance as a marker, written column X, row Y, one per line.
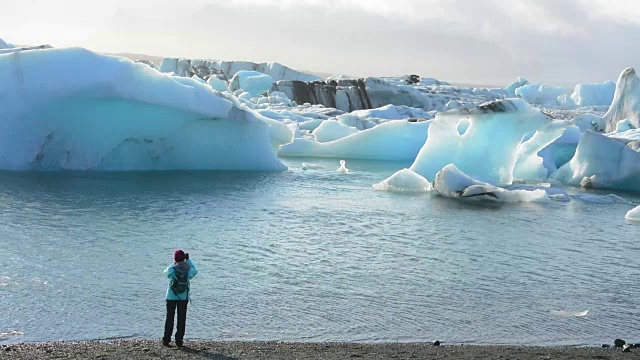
column 182, row 319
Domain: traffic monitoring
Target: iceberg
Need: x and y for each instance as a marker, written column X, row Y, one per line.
column 537, row 94
column 483, row 142
column 511, row 88
column 391, row 141
column 122, row 115
column 5, row 45
column 217, row 83
column 253, row 82
column 594, row 94
column 602, row 162
column 626, row 101
column 404, row 181
column 453, row 183
column 634, row 214
column 228, row 69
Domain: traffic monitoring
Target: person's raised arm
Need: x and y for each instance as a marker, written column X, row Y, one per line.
column 192, row 269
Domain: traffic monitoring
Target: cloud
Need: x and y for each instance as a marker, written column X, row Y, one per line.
column 478, row 41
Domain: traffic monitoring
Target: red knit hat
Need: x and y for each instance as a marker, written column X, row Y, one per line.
column 179, row 255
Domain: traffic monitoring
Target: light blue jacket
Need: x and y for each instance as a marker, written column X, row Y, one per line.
column 168, row 272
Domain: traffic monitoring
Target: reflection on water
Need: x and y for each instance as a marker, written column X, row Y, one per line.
column 310, row 255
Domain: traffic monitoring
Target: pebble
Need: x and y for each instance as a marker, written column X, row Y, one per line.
column 619, row 342
column 605, row 346
column 626, row 348
column 436, row 343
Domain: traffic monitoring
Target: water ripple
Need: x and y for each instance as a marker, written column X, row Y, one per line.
column 309, row 256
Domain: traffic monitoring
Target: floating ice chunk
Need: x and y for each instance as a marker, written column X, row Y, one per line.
column 217, row 84
column 570, row 313
column 602, row 162
column 626, row 101
column 331, row 130
column 391, row 141
column 8, row 334
column 488, row 148
column 256, row 83
column 634, row 214
column 343, row 168
column 453, row 183
column 404, row 180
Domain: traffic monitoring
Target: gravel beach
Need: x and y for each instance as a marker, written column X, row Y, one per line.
column 202, row 349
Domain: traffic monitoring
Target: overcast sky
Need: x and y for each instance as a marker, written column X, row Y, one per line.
column 487, row 42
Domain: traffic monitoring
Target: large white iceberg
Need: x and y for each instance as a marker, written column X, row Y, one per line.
column 73, row 109
column 484, row 142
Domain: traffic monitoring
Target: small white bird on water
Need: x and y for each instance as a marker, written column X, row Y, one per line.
column 343, row 169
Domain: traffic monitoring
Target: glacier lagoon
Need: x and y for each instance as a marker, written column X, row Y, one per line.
column 309, row 251
column 312, row 255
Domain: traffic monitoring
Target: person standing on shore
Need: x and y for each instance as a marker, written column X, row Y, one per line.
column 179, row 274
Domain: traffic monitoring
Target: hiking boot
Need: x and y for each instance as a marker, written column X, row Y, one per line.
column 179, row 344
column 166, row 343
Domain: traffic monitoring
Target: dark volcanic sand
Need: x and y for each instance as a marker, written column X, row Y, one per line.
column 202, row 349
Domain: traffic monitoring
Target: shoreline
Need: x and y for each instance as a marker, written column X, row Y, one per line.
column 257, row 350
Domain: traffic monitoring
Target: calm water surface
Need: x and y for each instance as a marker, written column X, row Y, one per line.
column 310, row 255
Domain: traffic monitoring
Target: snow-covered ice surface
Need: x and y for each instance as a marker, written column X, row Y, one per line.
column 201, row 114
